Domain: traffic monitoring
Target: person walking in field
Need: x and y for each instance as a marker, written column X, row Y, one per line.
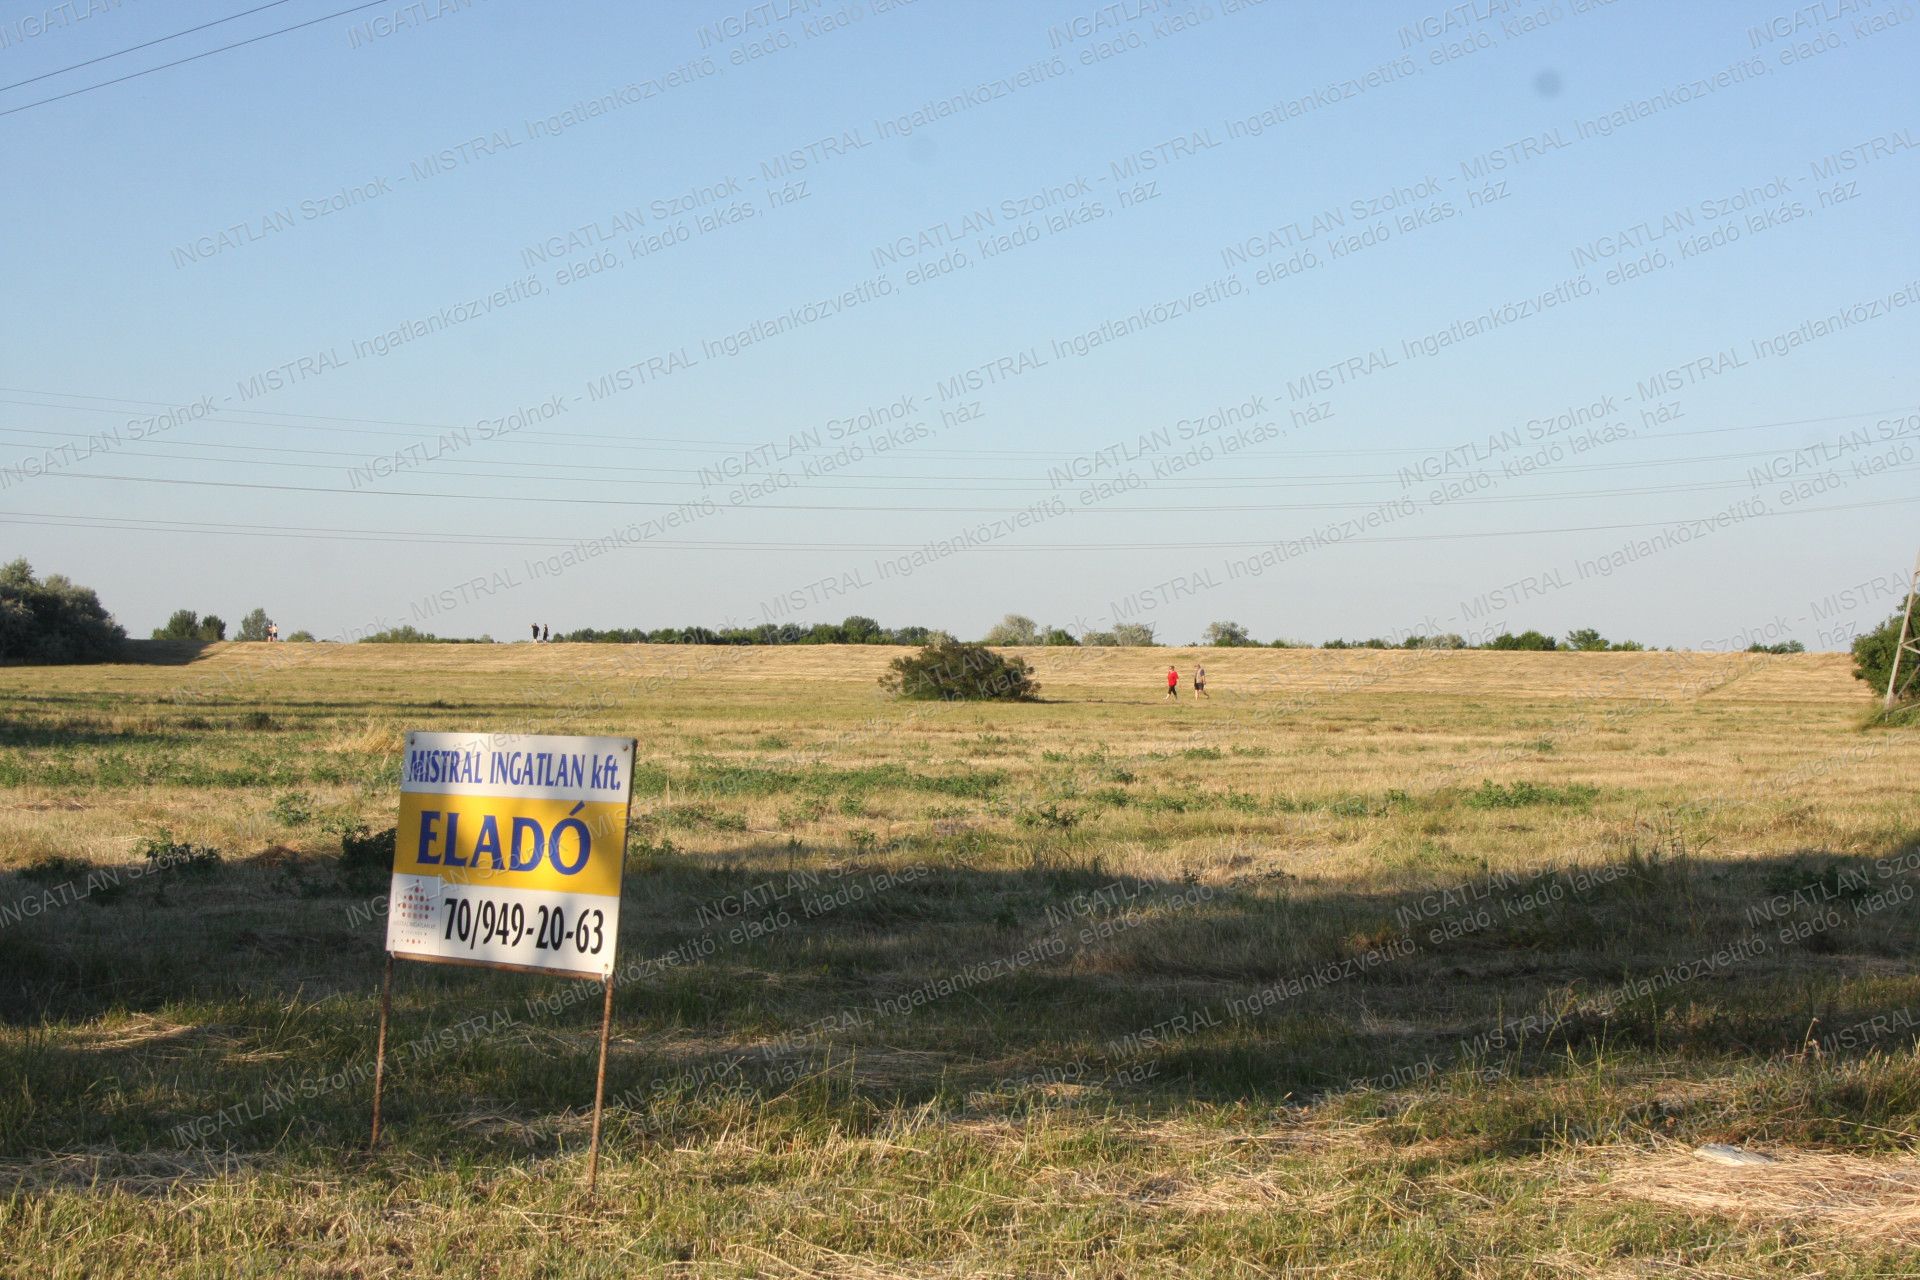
column 536, row 633
column 1173, row 682
column 1200, row 684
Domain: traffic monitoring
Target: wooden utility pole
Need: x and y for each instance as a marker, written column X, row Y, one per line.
column 1908, row 645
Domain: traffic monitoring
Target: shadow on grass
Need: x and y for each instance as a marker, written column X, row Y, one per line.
column 164, row 653
column 885, row 981
column 79, row 733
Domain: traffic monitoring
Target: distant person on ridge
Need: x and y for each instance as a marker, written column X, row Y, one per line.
column 536, row 633
column 1173, row 682
column 1200, row 684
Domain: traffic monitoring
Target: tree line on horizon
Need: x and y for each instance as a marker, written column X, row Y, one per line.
column 1019, row 631
column 55, row 620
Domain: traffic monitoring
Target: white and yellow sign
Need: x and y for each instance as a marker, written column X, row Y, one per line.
column 509, row 850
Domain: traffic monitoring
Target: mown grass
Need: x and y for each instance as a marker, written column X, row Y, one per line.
column 1344, row 972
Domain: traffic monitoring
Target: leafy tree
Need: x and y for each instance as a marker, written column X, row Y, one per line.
column 253, row 626
column 1445, row 640
column 861, row 630
column 183, row 625
column 1588, row 640
column 1013, row 629
column 1059, row 637
column 300, row 637
column 53, row 621
column 1873, row 659
column 1790, row 646
column 955, row 671
column 1228, row 635
column 1532, row 641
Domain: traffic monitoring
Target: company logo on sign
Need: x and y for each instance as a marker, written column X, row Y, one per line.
column 415, row 907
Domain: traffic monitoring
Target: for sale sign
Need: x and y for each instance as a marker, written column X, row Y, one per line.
column 509, row 851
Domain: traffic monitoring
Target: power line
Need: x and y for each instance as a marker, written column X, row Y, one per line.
column 542, row 439
column 169, row 404
column 696, row 444
column 178, row 62
column 438, row 428
column 890, row 481
column 789, row 506
column 137, row 47
column 49, row 520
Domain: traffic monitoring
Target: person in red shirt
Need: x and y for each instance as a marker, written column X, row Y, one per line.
column 1173, row 682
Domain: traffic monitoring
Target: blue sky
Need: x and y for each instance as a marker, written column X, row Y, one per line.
column 1411, row 317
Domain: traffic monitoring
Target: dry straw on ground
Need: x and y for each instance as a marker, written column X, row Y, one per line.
column 1873, row 1196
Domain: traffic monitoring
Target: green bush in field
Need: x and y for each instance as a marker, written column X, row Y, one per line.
column 164, row 853
column 293, row 809
column 1521, row 795
column 956, row 671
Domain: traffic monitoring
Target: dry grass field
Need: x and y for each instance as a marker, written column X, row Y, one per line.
column 1402, row 964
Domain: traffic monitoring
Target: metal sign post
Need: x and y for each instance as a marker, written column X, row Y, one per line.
column 508, row 856
column 599, row 1090
column 380, row 1046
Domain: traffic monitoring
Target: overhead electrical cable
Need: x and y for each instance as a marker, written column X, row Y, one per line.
column 887, row 481
column 575, row 500
column 694, row 444
column 135, row 48
column 257, row 531
column 180, row 62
